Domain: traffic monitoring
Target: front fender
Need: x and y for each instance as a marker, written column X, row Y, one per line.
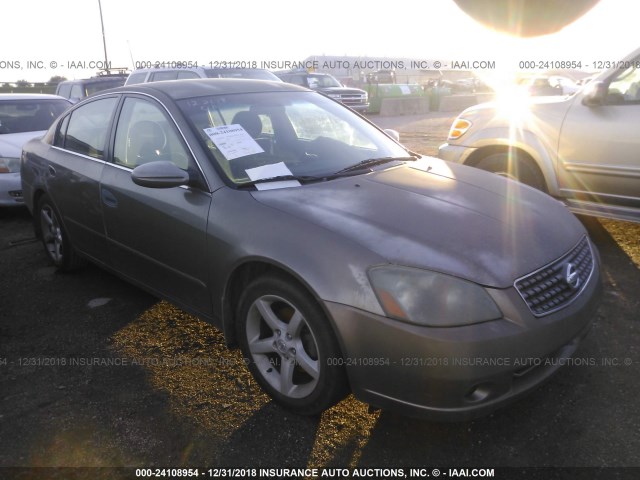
column 541, row 147
column 241, row 230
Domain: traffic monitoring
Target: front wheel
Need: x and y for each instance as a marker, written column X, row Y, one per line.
column 289, row 346
column 512, row 166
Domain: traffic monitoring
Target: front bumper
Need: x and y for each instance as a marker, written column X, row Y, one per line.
column 454, row 153
column 459, row 373
column 11, row 190
column 359, row 107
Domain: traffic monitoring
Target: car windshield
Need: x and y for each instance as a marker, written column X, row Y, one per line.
column 322, row 81
column 94, row 87
column 17, row 116
column 297, row 133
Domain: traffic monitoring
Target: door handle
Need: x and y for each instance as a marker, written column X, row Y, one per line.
column 52, row 171
column 108, row 198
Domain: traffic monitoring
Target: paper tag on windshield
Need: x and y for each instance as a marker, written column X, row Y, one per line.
column 233, row 141
column 270, row 171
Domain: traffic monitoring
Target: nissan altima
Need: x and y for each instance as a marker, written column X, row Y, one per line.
column 336, row 259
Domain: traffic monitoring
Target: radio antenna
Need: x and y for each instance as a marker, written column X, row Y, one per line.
column 104, row 41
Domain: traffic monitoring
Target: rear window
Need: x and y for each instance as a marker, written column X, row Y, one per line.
column 160, row 76
column 136, row 78
column 94, row 87
column 17, row 116
column 64, row 90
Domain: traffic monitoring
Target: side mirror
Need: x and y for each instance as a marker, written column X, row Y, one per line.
column 595, row 93
column 393, row 134
column 161, row 174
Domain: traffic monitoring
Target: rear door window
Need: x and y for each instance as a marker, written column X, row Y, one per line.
column 88, row 127
column 64, row 90
column 160, row 76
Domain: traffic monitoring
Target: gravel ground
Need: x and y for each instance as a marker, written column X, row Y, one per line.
column 95, row 372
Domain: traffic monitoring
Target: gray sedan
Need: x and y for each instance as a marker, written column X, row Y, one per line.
column 335, row 258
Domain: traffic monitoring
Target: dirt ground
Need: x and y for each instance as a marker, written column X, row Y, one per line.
column 97, row 373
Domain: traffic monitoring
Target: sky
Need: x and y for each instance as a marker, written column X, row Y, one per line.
column 45, row 38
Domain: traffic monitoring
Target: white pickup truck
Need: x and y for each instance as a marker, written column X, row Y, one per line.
column 583, row 149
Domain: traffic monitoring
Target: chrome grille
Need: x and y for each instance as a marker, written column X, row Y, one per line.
column 352, row 99
column 548, row 289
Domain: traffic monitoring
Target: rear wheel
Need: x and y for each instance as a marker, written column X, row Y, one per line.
column 55, row 240
column 289, row 345
column 512, row 165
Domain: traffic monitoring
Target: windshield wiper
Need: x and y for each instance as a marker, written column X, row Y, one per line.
column 345, row 172
column 372, row 162
column 300, row 178
column 281, row 178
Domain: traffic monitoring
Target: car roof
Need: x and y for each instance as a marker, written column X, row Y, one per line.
column 30, row 96
column 179, row 89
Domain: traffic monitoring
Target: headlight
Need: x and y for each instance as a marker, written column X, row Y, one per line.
column 431, row 299
column 459, row 128
column 9, row 165
column 335, row 96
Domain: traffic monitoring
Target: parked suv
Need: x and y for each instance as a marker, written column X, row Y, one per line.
column 76, row 90
column 581, row 148
column 323, row 82
column 144, row 75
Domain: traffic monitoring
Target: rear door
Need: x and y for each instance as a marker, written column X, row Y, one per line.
column 156, row 237
column 77, row 159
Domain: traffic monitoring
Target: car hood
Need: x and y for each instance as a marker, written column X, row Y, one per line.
column 11, row 143
column 534, row 104
column 439, row 216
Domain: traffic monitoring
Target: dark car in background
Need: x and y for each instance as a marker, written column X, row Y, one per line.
column 328, row 85
column 76, row 90
column 334, row 257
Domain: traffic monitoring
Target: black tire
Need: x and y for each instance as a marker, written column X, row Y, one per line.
column 289, row 346
column 54, row 238
column 512, row 166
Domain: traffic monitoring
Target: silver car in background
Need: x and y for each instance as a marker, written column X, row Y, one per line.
column 162, row 74
column 22, row 117
column 582, row 149
column 335, row 258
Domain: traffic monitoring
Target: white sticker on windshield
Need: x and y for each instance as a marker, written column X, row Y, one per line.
column 233, row 141
column 405, row 89
column 270, row 171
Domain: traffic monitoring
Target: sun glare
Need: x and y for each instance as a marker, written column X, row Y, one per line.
column 513, row 102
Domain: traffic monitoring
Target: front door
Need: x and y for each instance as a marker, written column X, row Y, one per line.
column 599, row 150
column 156, row 236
